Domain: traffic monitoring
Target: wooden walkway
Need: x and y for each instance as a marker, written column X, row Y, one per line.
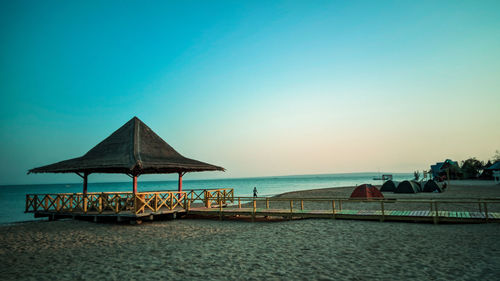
column 221, row 204
column 249, row 213
column 377, row 215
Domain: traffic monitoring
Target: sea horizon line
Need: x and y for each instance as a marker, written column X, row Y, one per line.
column 229, row 178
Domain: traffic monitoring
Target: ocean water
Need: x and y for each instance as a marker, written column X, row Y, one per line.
column 13, row 197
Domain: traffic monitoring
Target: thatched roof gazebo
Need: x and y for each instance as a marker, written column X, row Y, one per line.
column 134, row 149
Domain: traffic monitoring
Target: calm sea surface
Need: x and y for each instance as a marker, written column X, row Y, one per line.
column 13, row 197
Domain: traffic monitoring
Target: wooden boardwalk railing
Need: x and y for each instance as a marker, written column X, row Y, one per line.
column 218, row 196
column 437, row 210
column 211, row 197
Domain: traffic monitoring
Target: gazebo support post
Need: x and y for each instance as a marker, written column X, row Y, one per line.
column 180, row 182
column 84, row 177
column 84, row 193
column 179, row 189
column 134, row 184
column 85, row 181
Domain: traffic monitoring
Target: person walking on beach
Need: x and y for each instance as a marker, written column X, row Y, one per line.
column 255, row 192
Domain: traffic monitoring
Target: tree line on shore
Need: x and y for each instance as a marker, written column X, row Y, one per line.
column 470, row 168
column 473, row 168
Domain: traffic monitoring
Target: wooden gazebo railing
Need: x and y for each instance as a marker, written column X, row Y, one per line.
column 118, row 202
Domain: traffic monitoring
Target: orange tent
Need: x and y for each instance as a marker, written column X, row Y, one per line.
column 366, row 191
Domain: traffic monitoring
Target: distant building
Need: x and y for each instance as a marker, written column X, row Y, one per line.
column 494, row 167
column 492, row 172
column 438, row 170
column 496, row 176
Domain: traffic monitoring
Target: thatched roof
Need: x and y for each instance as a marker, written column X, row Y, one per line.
column 132, row 149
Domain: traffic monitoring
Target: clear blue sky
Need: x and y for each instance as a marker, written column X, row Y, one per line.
column 258, row 87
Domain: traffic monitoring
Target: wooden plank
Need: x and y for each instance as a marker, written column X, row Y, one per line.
column 382, row 210
column 333, row 208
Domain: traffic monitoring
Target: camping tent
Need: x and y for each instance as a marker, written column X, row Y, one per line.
column 407, row 187
column 419, row 186
column 432, row 186
column 366, row 191
column 389, row 185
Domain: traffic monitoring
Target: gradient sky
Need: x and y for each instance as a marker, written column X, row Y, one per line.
column 260, row 88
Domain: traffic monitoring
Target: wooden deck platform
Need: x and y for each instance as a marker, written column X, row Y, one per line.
column 250, row 213
column 112, row 216
column 221, row 203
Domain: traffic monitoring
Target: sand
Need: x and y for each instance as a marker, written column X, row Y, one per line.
column 193, row 249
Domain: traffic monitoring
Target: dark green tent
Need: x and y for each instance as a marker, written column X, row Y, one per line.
column 407, row 187
column 432, row 186
column 389, row 185
column 418, row 185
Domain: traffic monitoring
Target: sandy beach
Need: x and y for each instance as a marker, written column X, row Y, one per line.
column 311, row 249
